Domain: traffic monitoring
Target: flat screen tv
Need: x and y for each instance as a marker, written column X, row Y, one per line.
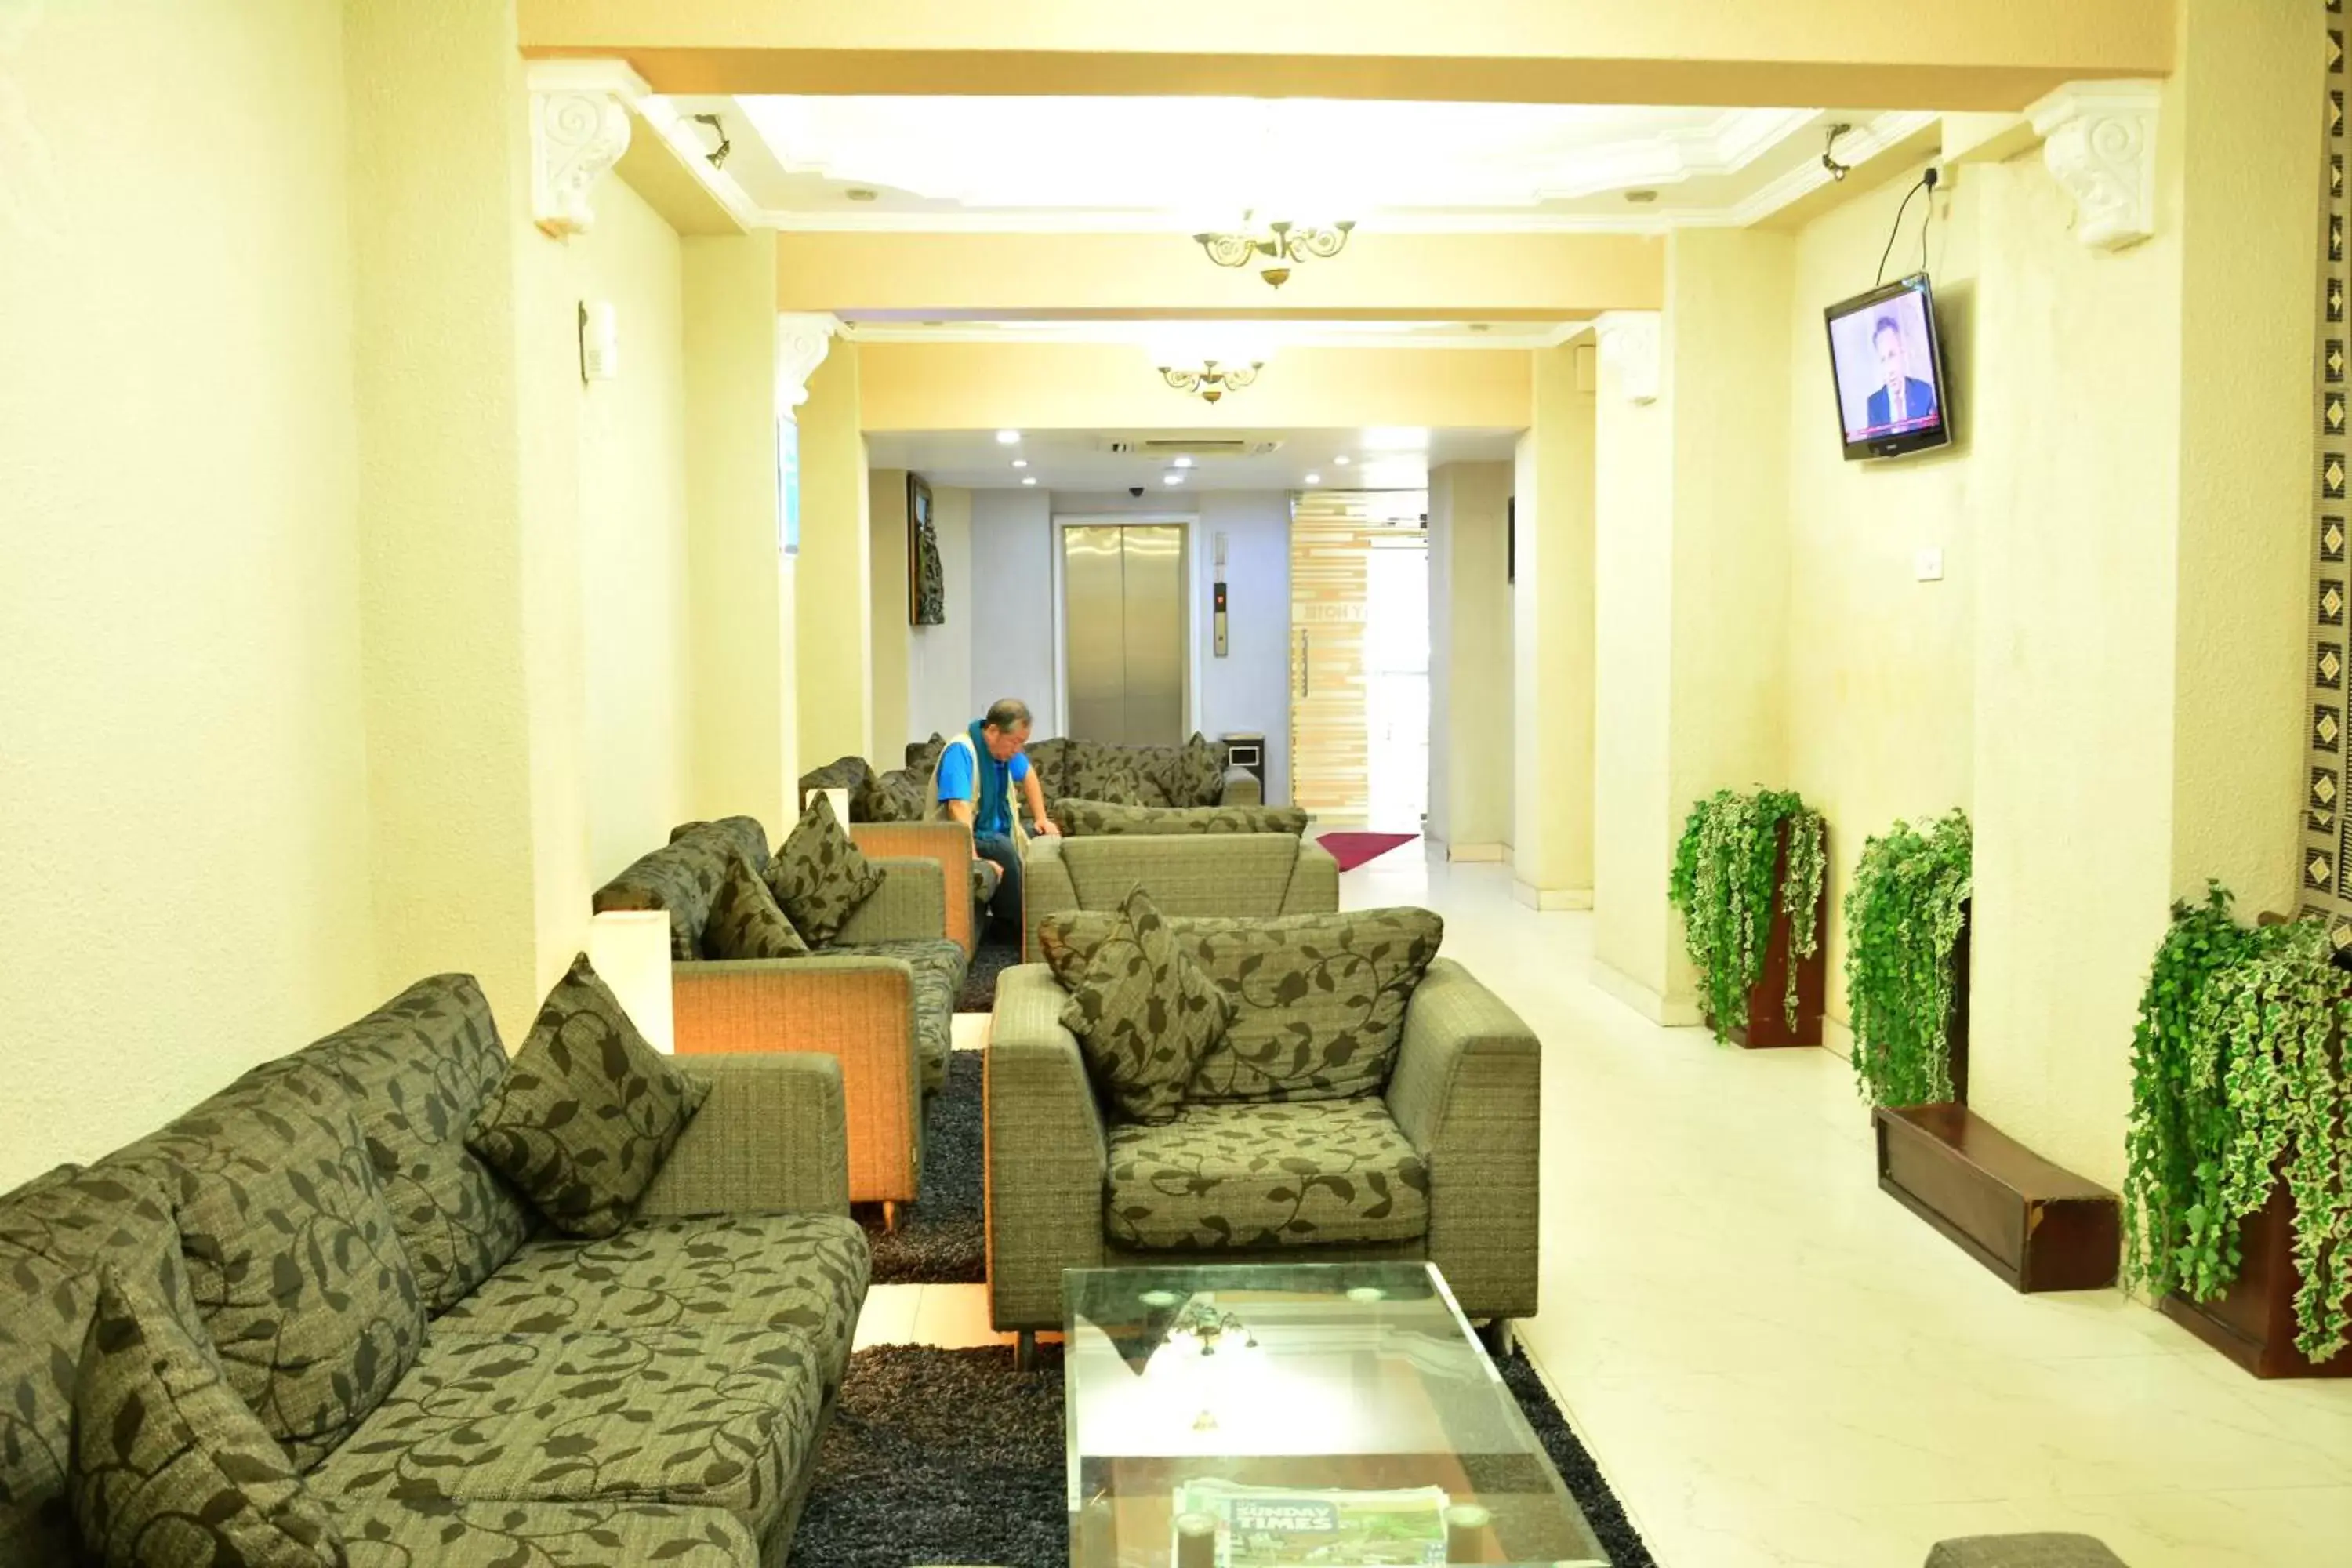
column 1888, row 365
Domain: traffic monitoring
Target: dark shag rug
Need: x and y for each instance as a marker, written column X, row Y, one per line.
column 940, row 1456
column 940, row 1239
column 995, row 955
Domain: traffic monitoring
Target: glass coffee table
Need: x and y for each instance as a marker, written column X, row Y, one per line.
column 1247, row 1415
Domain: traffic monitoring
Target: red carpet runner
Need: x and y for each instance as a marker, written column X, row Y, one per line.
column 1352, row 849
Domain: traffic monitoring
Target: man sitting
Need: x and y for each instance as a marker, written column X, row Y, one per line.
column 973, row 785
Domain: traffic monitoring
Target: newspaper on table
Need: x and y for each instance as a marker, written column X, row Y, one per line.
column 1310, row 1527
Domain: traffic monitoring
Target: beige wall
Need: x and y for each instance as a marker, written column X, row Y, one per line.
column 834, row 587
column 184, row 798
column 891, row 636
column 745, row 716
column 1470, row 651
column 1881, row 667
column 1551, row 626
column 636, row 591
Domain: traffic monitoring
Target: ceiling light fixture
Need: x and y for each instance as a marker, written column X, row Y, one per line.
column 1020, row 462
column 717, row 155
column 1030, row 481
column 1837, row 171
column 1172, row 478
column 1008, row 437
column 1210, row 383
column 1183, row 462
column 1314, row 479
column 1284, row 244
column 1343, row 460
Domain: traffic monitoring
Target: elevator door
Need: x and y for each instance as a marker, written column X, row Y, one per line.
column 1123, row 639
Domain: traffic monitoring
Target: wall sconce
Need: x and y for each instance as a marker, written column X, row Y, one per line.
column 718, row 155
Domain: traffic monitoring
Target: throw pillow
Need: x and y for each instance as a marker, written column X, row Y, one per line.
column 588, row 1113
column 1198, row 777
column 1144, row 1013
column 819, row 876
column 169, row 1466
column 745, row 922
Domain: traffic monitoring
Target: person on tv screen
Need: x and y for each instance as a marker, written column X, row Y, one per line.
column 1905, row 401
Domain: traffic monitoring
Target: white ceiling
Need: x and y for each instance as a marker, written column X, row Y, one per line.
column 1081, row 460
column 1180, row 165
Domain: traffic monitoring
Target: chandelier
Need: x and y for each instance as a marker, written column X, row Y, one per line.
column 1284, row 244
column 1213, row 380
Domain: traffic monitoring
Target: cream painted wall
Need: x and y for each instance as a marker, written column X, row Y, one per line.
column 184, row 798
column 939, row 666
column 1470, row 652
column 892, row 637
column 744, row 715
column 834, row 575
column 636, row 591
column 1880, row 708
column 1551, row 626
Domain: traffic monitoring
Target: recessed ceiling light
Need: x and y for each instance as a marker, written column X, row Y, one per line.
column 1008, row 437
column 1641, row 198
column 1172, row 478
column 1342, row 461
column 861, row 194
column 1020, row 462
column 1481, row 327
column 1183, row 462
column 1030, row 481
column 1314, row 479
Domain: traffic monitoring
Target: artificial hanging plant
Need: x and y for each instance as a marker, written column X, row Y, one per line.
column 2238, row 1079
column 1724, row 883
column 1903, row 919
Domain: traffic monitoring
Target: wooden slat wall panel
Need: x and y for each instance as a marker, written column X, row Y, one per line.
column 1330, row 553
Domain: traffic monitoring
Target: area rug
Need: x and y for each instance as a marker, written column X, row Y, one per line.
column 1352, row 849
column 939, row 1239
column 992, row 959
column 938, row 1455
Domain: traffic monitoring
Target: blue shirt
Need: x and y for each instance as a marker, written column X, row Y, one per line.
column 955, row 783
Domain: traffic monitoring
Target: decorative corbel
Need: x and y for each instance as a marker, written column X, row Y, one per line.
column 803, row 338
column 2099, row 142
column 1630, row 342
column 579, row 129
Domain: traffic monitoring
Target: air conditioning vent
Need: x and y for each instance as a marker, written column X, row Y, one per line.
column 1191, row 446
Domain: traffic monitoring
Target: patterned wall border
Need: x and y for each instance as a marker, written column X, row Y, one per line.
column 2327, row 825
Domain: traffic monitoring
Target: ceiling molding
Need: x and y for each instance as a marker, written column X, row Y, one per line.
column 1518, row 335
column 1858, row 147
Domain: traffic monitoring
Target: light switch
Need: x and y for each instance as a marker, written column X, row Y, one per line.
column 1928, row 566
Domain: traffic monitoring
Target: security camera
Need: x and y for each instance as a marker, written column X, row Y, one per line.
column 1135, row 490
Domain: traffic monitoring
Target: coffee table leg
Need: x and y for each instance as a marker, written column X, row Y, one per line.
column 1495, row 1333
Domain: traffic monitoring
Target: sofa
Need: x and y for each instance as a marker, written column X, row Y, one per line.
column 1370, row 1101
column 881, row 997
column 1197, row 772
column 516, row 1395
column 1080, row 818
column 1252, row 874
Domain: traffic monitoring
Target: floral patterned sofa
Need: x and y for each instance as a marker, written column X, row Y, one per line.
column 1369, row 1100
column 1251, row 875
column 1197, row 772
column 456, row 1385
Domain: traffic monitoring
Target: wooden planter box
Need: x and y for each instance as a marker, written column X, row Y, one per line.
column 2253, row 1323
column 1766, row 1028
column 2038, row 1227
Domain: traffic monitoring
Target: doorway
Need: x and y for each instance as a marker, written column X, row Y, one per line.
column 1124, row 656
column 1359, row 658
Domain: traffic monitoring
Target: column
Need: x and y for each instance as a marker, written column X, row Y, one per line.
column 834, row 586
column 1552, row 632
column 1470, row 710
column 892, row 637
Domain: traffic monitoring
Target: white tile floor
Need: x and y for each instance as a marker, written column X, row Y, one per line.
column 1777, row 1364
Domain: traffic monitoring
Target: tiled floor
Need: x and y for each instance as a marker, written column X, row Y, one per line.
column 1776, row 1365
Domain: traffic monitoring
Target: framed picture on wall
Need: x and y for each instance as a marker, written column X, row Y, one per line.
column 926, row 588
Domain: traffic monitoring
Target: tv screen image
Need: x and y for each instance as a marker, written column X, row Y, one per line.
column 1889, row 366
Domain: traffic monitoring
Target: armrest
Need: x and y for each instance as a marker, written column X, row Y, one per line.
column 860, row 1010
column 946, row 843
column 911, row 904
column 1313, row 882
column 1240, row 788
column 1047, row 1158
column 773, row 1136
column 1045, row 889
column 1467, row 1090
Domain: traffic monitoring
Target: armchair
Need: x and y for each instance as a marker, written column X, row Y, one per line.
column 1256, row 875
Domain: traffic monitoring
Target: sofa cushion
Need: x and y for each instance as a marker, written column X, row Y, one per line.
column 57, row 1233
column 589, row 1111
column 1094, row 818
column 293, row 1253
column 894, row 797
column 1144, row 1013
column 1093, row 771
column 2030, row 1551
column 1319, row 1000
column 171, row 1469
column 413, row 1533
column 1229, row 874
column 681, row 878
column 819, row 876
column 804, row 1272
column 417, row 1070
column 1194, row 772
column 987, row 875
column 712, row 1416
column 745, row 921
column 923, row 756
column 852, row 774
column 939, row 967
column 1264, row 1175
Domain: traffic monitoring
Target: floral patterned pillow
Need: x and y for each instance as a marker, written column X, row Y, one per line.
column 588, row 1111
column 1144, row 1013
column 819, row 876
column 168, row 1465
column 745, row 922
column 1196, row 777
